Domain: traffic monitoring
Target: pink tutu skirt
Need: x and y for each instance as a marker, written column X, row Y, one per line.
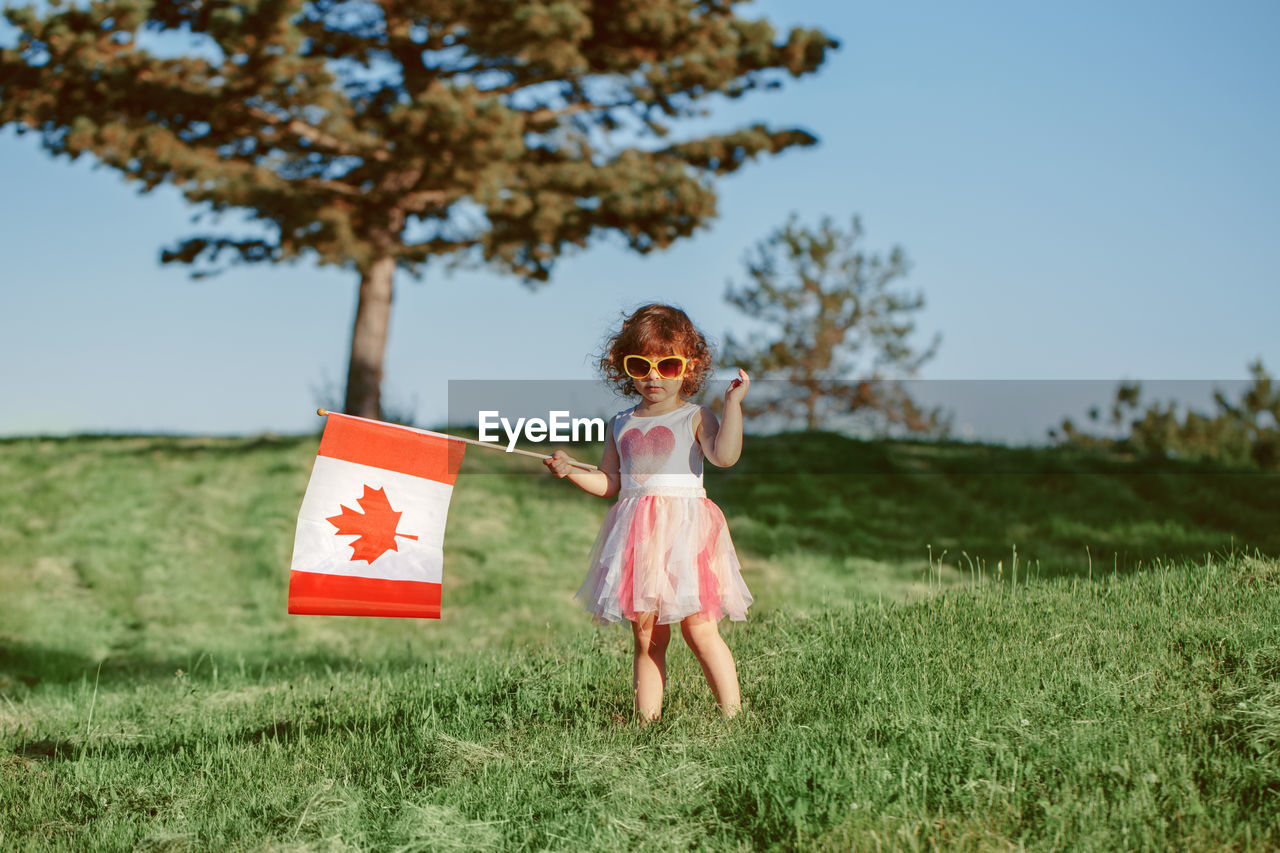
column 672, row 555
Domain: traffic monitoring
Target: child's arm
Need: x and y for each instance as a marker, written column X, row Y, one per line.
column 603, row 483
column 722, row 442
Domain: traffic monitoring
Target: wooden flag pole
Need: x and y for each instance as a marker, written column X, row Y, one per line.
column 325, row 412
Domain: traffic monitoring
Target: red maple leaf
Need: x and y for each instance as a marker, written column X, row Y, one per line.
column 376, row 526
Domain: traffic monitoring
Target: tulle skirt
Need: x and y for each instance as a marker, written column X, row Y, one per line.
column 672, row 555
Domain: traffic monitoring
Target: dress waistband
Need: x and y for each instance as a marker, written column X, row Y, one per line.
column 663, row 492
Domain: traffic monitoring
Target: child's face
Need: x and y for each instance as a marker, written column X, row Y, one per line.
column 652, row 387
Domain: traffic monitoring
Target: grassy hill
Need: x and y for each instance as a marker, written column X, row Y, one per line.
column 902, row 689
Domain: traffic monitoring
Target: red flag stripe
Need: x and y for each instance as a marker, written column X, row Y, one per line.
column 317, row 594
column 392, row 448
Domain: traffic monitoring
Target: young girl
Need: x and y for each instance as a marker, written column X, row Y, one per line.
column 664, row 554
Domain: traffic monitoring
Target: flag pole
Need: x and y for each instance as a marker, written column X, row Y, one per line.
column 325, row 413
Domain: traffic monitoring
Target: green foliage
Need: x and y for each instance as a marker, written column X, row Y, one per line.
column 154, row 693
column 377, row 136
column 1246, row 432
column 836, row 331
column 342, row 124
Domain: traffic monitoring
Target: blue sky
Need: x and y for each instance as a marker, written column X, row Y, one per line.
column 1085, row 191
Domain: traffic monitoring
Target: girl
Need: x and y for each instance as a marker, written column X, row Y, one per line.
column 664, row 554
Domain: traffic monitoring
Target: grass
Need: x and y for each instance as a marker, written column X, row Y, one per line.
column 153, row 693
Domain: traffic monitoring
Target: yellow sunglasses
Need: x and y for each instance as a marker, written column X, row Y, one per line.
column 668, row 367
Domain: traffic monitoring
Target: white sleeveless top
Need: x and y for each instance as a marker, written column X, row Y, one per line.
column 659, row 455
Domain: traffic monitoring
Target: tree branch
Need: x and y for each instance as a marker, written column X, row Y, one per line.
column 300, row 128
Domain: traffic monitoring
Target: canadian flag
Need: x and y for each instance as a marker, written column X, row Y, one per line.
column 371, row 529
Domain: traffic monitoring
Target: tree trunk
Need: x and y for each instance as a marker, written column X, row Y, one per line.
column 369, row 340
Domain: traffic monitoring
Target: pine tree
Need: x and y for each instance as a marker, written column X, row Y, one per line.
column 378, row 136
column 837, row 331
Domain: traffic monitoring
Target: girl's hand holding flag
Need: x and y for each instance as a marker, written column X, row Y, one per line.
column 560, row 464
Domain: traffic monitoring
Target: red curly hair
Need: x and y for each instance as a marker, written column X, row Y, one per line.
column 654, row 330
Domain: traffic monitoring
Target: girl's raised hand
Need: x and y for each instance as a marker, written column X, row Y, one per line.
column 558, row 463
column 738, row 387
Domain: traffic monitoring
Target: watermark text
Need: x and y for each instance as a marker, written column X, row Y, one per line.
column 558, row 426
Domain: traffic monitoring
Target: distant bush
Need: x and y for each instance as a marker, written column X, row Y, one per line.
column 1246, row 432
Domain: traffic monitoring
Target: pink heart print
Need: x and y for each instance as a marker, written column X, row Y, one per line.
column 645, row 453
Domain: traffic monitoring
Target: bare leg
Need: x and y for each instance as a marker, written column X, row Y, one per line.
column 703, row 636
column 649, row 670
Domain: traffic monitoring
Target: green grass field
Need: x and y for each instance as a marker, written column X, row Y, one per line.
column 957, row 647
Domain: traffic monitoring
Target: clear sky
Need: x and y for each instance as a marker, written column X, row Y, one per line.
column 1086, row 191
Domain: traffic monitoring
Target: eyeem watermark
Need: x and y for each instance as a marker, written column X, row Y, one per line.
column 558, row 426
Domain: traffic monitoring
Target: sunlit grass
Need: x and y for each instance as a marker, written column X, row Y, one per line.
column 900, row 690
